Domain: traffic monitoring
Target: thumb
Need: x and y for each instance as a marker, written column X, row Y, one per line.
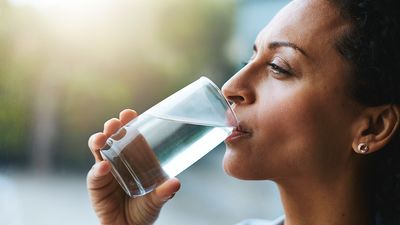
column 166, row 191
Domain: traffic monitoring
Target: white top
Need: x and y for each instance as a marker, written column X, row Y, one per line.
column 277, row 221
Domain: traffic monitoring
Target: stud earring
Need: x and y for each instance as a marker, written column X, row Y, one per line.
column 362, row 148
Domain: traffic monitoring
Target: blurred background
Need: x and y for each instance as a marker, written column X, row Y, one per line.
column 66, row 66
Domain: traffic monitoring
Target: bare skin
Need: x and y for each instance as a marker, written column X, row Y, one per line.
column 111, row 204
column 299, row 127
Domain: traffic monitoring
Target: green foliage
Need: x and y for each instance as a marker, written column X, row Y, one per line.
column 15, row 111
column 83, row 65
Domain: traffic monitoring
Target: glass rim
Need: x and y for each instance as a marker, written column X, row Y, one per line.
column 209, row 81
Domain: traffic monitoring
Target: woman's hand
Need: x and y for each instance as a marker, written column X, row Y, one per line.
column 109, row 201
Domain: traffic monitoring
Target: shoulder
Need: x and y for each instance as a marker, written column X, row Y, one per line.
column 277, row 221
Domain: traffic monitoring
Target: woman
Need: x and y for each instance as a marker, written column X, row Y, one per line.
column 319, row 111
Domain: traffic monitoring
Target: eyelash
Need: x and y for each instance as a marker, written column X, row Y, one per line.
column 277, row 69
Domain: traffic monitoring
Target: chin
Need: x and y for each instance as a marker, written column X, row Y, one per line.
column 229, row 165
column 236, row 168
column 241, row 169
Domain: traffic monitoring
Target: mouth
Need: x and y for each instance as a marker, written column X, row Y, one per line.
column 238, row 132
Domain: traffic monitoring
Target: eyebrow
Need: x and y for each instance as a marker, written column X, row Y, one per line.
column 278, row 44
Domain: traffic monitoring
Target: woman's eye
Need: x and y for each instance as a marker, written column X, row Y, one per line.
column 276, row 69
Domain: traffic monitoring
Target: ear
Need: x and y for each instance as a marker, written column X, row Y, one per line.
column 376, row 127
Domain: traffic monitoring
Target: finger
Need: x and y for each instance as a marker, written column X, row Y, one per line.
column 166, row 191
column 99, row 175
column 111, row 126
column 95, row 143
column 101, row 169
column 127, row 115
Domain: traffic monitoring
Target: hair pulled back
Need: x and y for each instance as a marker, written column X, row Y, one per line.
column 372, row 46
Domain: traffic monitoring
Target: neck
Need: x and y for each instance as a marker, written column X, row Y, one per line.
column 338, row 200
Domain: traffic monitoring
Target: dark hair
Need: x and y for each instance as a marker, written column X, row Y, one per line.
column 372, row 46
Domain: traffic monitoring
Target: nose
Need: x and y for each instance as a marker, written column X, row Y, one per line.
column 238, row 89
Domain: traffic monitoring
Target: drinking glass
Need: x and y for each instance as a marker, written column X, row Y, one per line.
column 169, row 137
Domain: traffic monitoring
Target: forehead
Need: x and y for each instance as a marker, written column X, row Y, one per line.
column 310, row 24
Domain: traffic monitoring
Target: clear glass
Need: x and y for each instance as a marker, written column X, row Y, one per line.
column 169, row 137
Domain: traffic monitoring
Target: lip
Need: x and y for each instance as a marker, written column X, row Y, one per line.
column 238, row 132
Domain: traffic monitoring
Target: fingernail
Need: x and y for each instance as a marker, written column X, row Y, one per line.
column 166, row 199
column 171, row 196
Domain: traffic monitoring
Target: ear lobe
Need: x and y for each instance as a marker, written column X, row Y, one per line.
column 377, row 127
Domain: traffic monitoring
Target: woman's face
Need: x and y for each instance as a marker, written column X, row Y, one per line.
column 292, row 99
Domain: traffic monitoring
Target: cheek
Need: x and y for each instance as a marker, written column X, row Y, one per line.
column 281, row 125
column 300, row 131
column 296, row 132
column 310, row 131
column 289, row 119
